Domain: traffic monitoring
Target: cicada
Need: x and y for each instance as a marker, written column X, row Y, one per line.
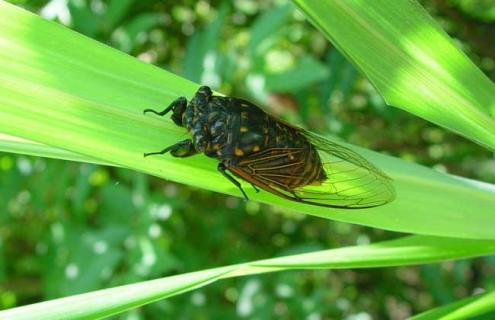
column 273, row 155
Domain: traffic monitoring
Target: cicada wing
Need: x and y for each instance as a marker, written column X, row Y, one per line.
column 274, row 169
column 352, row 181
column 259, row 182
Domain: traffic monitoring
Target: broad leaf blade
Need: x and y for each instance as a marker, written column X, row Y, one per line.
column 17, row 145
column 66, row 91
column 411, row 61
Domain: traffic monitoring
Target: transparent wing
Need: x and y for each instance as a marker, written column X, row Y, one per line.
column 351, row 181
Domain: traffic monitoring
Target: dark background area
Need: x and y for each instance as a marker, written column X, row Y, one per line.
column 67, row 228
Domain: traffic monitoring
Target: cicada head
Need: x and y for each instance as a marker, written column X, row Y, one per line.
column 201, row 98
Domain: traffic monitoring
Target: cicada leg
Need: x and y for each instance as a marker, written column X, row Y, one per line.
column 178, row 106
column 222, row 169
column 181, row 149
column 255, row 188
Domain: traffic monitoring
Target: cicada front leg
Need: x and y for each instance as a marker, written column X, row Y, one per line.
column 181, row 149
column 178, row 106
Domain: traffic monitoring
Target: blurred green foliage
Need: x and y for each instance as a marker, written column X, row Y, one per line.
column 67, row 228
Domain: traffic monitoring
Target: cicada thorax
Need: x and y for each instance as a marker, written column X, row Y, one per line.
column 236, row 131
column 206, row 120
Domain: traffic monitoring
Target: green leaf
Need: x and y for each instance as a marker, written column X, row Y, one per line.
column 264, row 26
column 341, row 78
column 200, row 47
column 462, row 309
column 17, row 145
column 404, row 251
column 66, row 91
column 83, row 19
column 411, row 61
column 305, row 73
column 116, row 11
column 127, row 37
column 102, row 303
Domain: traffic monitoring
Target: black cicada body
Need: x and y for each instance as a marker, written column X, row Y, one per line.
column 277, row 157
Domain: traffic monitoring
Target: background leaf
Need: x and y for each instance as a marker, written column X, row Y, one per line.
column 102, row 303
column 463, row 309
column 411, row 61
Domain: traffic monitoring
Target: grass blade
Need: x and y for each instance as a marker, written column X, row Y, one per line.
column 21, row 146
column 462, row 309
column 411, row 61
column 103, row 303
column 66, row 91
column 404, row 251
